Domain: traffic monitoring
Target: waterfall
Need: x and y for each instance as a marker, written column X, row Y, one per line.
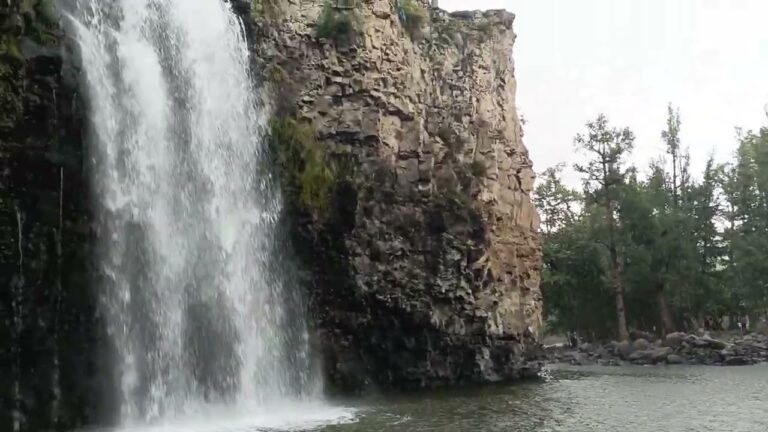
column 197, row 304
column 17, row 312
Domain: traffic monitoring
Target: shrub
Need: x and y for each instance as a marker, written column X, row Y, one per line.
column 445, row 133
column 308, row 173
column 452, row 140
column 338, row 25
column 478, row 168
column 10, row 47
column 415, row 16
column 486, row 30
column 45, row 11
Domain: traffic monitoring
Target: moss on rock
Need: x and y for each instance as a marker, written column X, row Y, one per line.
column 307, row 170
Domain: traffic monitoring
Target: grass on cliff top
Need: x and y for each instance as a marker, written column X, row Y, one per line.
column 307, row 169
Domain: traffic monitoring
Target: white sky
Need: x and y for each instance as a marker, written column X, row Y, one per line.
column 628, row 59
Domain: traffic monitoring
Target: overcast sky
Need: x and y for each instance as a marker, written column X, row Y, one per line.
column 628, row 59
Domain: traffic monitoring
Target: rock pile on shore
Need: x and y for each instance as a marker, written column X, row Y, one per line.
column 675, row 348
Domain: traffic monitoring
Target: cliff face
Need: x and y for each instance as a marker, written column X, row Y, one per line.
column 48, row 326
column 422, row 257
column 425, row 268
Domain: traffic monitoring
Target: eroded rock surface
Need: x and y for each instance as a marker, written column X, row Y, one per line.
column 426, row 270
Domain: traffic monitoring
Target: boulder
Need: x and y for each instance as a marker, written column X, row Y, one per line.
column 640, row 357
column 758, row 346
column 653, row 355
column 641, row 344
column 623, row 349
column 660, row 355
column 674, row 340
column 713, row 343
column 675, row 359
column 738, row 361
column 697, row 342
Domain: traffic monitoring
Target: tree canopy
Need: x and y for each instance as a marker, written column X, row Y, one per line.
column 658, row 252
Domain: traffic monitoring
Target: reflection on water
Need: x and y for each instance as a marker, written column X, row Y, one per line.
column 631, row 399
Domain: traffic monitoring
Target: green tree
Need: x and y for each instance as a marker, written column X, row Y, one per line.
column 573, row 274
column 745, row 188
column 603, row 176
column 557, row 202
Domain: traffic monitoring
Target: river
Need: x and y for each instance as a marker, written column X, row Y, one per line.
column 632, row 399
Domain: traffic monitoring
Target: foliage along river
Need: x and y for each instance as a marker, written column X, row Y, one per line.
column 631, row 398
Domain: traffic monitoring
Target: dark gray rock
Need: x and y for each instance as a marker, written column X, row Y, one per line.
column 640, row 357
column 641, row 344
column 659, row 355
column 45, row 219
column 713, row 343
column 738, row 361
column 623, row 349
column 674, row 340
column 675, row 359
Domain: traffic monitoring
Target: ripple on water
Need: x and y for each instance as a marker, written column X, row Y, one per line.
column 602, row 399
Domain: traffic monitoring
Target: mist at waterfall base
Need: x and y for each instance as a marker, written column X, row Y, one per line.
column 206, row 323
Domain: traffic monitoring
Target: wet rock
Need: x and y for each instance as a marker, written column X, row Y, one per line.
column 738, row 361
column 45, row 234
column 675, row 359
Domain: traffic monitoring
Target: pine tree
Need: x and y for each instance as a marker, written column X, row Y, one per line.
column 603, row 176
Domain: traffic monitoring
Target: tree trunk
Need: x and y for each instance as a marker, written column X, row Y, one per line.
column 667, row 325
column 618, row 289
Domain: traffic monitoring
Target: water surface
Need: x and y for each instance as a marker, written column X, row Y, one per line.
column 632, row 399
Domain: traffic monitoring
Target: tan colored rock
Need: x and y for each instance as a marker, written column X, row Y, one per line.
column 431, row 248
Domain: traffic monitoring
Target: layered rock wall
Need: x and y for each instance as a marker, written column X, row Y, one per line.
column 426, row 271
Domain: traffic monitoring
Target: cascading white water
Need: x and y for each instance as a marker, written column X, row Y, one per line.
column 195, row 300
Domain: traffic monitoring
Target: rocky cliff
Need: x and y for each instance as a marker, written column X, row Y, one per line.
column 425, row 260
column 407, row 190
column 49, row 333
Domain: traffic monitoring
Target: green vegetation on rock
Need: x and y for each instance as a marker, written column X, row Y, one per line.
column 478, row 168
column 340, row 24
column 308, row 172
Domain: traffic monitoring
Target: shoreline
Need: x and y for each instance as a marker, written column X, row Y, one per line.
column 675, row 348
